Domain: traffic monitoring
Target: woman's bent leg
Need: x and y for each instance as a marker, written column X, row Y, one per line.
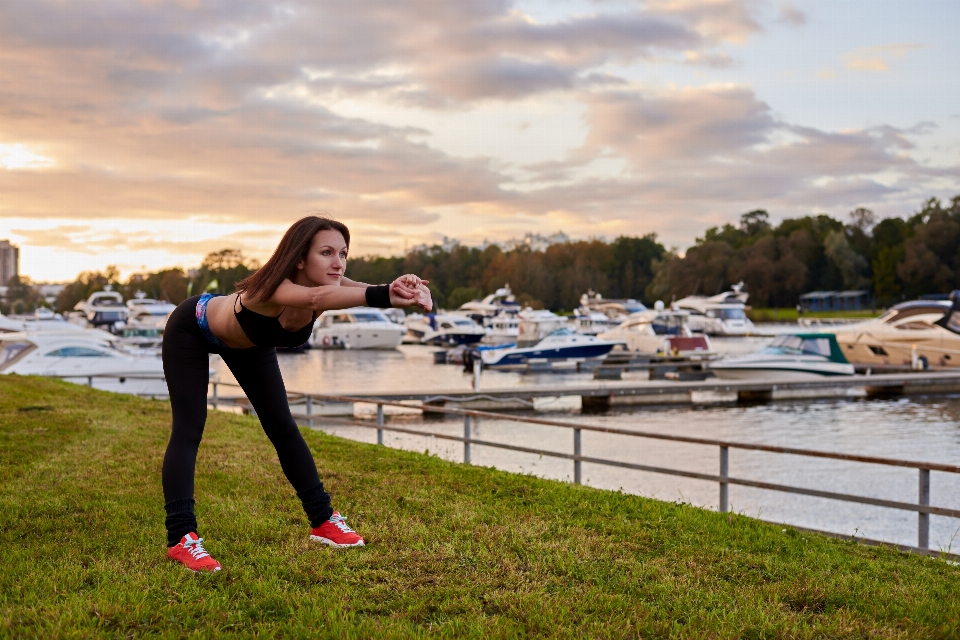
column 258, row 373
column 186, row 367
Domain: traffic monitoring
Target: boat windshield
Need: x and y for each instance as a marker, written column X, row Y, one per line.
column 369, row 317
column 11, row 351
column 464, row 323
column 562, row 331
column 795, row 345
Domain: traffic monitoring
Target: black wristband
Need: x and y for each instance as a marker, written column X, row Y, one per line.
column 379, row 296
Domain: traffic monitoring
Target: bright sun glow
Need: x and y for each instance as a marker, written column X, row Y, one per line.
column 19, row 156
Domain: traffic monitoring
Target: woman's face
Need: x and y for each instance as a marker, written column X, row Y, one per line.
column 326, row 260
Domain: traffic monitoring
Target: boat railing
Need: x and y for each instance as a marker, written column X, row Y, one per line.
column 922, row 507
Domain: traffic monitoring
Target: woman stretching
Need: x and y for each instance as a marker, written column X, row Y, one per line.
column 275, row 307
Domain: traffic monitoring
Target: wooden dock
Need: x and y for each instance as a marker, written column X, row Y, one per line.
column 696, row 392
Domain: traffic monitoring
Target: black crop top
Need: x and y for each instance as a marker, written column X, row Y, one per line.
column 266, row 331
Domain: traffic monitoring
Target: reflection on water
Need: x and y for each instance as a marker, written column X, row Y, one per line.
column 915, row 428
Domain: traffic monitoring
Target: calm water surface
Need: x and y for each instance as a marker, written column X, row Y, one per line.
column 915, row 428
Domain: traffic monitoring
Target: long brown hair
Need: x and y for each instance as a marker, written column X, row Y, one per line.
column 292, row 249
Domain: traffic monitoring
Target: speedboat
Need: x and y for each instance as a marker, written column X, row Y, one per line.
column 798, row 356
column 82, row 357
column 660, row 332
column 721, row 315
column 442, row 329
column 481, row 311
column 356, row 328
column 559, row 344
column 917, row 330
column 103, row 309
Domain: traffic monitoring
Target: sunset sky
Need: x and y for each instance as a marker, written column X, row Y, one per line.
column 147, row 134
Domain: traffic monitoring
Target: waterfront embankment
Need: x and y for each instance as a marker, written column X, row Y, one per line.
column 453, row 550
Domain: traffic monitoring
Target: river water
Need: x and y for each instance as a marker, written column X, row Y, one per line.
column 912, row 428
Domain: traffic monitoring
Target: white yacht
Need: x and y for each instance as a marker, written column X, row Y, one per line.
column 44, row 319
column 79, row 356
column 660, row 332
column 442, row 329
column 104, row 309
column 502, row 328
column 356, row 328
column 560, row 344
column 592, row 323
column 481, row 311
column 615, row 309
column 147, row 314
column 800, row 356
column 721, row 315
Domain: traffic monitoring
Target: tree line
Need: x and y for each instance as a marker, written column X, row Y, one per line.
column 893, row 259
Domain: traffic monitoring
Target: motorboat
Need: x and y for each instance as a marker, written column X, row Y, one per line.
column 613, row 308
column 82, row 357
column 44, row 319
column 721, row 315
column 661, row 332
column 560, row 344
column 500, row 301
column 104, row 309
column 798, row 356
column 592, row 323
column 442, row 329
column 917, row 332
column 355, row 328
column 9, row 325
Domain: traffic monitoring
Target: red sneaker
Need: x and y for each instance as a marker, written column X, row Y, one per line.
column 191, row 554
column 336, row 533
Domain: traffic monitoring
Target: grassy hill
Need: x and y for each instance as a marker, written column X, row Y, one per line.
column 453, row 551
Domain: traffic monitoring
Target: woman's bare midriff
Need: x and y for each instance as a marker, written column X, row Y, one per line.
column 223, row 323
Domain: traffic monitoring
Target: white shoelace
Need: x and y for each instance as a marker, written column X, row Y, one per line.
column 195, row 547
column 338, row 520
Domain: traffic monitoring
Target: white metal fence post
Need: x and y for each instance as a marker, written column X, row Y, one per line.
column 724, row 472
column 576, row 456
column 923, row 519
column 309, row 410
column 215, row 396
column 379, row 424
column 466, row 439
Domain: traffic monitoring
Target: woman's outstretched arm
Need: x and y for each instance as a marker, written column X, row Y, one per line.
column 343, row 296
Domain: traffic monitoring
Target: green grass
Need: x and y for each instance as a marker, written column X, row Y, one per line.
column 790, row 314
column 453, row 550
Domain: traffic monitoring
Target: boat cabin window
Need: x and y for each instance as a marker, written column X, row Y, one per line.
column 11, row 351
column 77, row 352
column 727, row 314
column 667, row 325
column 464, row 323
column 342, row 318
column 914, row 325
column 446, row 325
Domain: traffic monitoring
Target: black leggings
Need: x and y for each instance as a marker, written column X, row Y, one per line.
column 186, row 368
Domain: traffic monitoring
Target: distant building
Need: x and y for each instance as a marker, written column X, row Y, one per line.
column 835, row 301
column 9, row 261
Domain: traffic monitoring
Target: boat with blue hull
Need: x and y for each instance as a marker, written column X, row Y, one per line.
column 559, row 344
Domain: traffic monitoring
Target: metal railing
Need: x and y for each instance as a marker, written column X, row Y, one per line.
column 922, row 507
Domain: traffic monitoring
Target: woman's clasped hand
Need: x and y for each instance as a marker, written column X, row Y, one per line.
column 410, row 290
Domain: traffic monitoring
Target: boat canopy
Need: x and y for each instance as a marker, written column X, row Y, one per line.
column 814, row 344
